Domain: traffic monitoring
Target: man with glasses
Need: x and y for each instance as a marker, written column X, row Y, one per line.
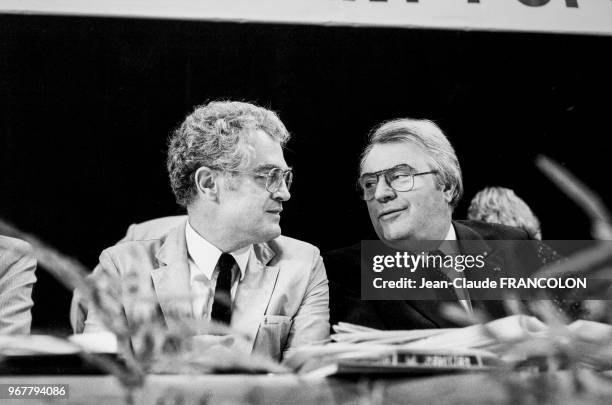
column 227, row 168
column 410, row 180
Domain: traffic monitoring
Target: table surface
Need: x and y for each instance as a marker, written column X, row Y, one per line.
column 472, row 388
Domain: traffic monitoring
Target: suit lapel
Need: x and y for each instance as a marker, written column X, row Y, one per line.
column 171, row 278
column 493, row 266
column 471, row 243
column 254, row 292
column 428, row 311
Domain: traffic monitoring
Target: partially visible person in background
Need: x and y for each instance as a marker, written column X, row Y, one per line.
column 499, row 205
column 17, row 266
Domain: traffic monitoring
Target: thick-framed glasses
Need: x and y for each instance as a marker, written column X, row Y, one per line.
column 274, row 178
column 399, row 178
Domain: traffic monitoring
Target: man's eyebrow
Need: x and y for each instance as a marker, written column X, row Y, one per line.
column 268, row 167
column 401, row 165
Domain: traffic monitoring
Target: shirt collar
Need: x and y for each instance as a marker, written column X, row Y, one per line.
column 451, row 236
column 206, row 255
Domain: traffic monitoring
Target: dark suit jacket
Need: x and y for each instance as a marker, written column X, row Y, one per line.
column 344, row 270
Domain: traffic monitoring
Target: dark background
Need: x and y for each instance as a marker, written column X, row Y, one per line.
column 86, row 106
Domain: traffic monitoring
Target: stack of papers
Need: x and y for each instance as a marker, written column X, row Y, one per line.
column 27, row 345
column 35, row 344
column 363, row 350
column 50, row 355
column 349, row 333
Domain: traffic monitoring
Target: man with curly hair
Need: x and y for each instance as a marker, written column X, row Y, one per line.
column 226, row 167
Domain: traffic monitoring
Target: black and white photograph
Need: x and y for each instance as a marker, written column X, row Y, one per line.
column 305, row 201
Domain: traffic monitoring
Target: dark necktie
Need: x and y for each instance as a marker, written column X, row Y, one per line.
column 437, row 274
column 222, row 305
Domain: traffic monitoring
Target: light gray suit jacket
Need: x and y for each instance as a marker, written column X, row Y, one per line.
column 281, row 303
column 17, row 266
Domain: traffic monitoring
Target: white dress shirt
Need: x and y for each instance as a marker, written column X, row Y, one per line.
column 462, row 293
column 203, row 257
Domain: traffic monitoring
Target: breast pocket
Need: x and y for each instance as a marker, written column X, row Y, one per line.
column 273, row 334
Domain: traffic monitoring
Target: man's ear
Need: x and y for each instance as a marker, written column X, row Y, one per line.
column 206, row 182
column 448, row 193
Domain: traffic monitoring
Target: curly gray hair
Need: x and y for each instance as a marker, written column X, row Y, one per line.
column 430, row 137
column 216, row 135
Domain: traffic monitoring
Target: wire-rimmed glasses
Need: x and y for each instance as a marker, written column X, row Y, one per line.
column 274, row 177
column 399, row 178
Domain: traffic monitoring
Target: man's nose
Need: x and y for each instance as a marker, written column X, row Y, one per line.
column 383, row 191
column 282, row 194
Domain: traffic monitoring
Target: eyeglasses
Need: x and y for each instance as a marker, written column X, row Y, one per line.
column 274, row 178
column 399, row 178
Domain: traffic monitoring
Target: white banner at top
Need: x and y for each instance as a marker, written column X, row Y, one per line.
column 561, row 16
